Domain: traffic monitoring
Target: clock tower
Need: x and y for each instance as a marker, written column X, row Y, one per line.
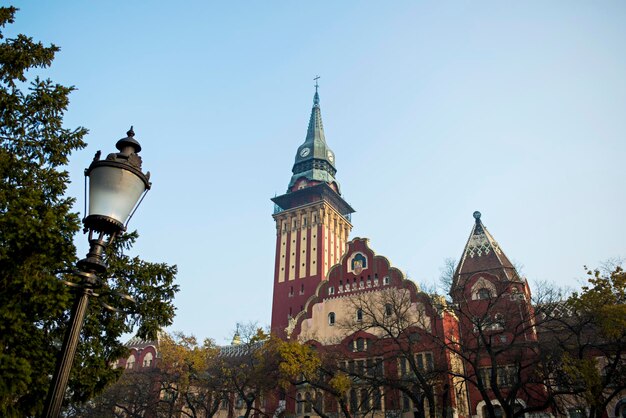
column 312, row 225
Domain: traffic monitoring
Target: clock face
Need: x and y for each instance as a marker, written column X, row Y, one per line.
column 331, row 157
column 304, row 152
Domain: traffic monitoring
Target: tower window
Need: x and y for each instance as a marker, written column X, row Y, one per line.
column 388, row 309
column 484, row 293
column 386, row 280
column 331, row 290
column 331, row 318
column 359, row 315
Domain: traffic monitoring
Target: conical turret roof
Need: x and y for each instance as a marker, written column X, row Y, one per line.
column 314, row 161
column 483, row 254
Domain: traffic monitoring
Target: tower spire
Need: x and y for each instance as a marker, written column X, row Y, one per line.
column 315, row 161
column 316, row 127
column 483, row 254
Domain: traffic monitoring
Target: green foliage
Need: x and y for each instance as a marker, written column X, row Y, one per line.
column 596, row 361
column 604, row 300
column 37, row 228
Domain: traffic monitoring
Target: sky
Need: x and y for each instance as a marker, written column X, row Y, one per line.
column 433, row 109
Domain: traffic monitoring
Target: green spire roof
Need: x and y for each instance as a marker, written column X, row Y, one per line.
column 315, row 161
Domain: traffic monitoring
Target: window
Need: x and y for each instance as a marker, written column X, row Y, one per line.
column 386, row 280
column 360, row 344
column 377, row 406
column 147, row 360
column 331, row 290
column 423, row 362
column 497, row 409
column 483, row 293
column 130, row 362
column 406, row 402
column 307, row 405
column 365, row 400
column 319, row 401
column 331, row 318
column 388, row 309
column 506, row 376
column 498, row 321
column 299, row 404
column 359, row 315
column 354, row 402
column 579, row 413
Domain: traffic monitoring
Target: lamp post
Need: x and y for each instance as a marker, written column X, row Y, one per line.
column 116, row 185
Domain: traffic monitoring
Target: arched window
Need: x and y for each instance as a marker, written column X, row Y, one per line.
column 331, row 318
column 130, row 362
column 147, row 360
column 484, row 293
column 319, row 401
column 388, row 309
column 299, row 403
column 359, row 315
column 307, row 405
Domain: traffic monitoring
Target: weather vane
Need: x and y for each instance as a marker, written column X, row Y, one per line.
column 317, row 77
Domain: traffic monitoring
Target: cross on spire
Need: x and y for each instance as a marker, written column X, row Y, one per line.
column 317, row 77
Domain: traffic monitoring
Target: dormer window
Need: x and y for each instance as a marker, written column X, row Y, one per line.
column 484, row 293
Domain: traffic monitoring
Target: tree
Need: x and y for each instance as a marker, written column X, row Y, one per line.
column 404, row 328
column 36, row 243
column 190, row 381
column 591, row 336
column 132, row 396
column 317, row 371
column 250, row 371
column 506, row 349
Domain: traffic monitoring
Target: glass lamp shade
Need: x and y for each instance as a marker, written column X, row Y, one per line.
column 113, row 193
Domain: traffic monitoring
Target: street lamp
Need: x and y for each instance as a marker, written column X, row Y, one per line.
column 116, row 187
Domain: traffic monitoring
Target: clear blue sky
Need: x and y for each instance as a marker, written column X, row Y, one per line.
column 434, row 110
